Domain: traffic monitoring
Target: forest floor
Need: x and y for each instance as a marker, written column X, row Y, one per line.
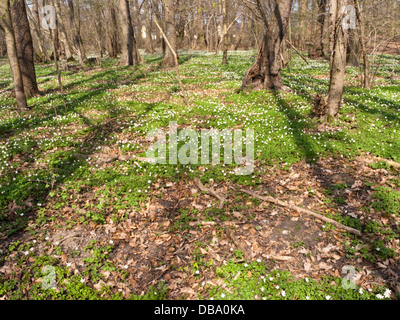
column 82, row 216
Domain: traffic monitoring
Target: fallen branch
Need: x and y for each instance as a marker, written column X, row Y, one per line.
column 390, row 162
column 224, row 227
column 108, row 158
column 302, row 210
column 211, row 192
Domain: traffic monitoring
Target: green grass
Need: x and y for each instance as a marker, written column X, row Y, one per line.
column 254, row 282
column 42, row 173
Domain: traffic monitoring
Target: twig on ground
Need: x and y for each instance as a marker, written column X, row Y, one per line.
column 390, row 162
column 302, row 210
column 211, row 192
column 224, row 227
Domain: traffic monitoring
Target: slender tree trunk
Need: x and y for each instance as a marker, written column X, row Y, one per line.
column 75, row 33
column 319, row 30
column 338, row 62
column 201, row 40
column 37, row 32
column 364, row 54
column 99, row 30
column 3, row 48
column 24, row 45
column 225, row 40
column 169, row 60
column 63, row 34
column 7, row 26
column 78, row 27
column 266, row 71
column 333, row 8
column 148, row 41
column 353, row 49
column 303, row 23
column 54, row 37
column 136, row 17
column 130, row 53
column 240, row 37
column 114, row 33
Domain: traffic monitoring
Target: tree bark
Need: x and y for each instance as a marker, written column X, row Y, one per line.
column 266, row 71
column 7, row 25
column 130, row 53
column 54, row 37
column 3, row 48
column 63, row 34
column 318, row 51
column 75, row 32
column 99, row 30
column 169, row 60
column 338, row 62
column 364, row 54
column 115, row 48
column 303, row 23
column 24, row 45
column 201, row 39
column 225, row 40
column 148, row 40
column 37, row 29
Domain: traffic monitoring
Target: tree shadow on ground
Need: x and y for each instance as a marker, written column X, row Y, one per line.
column 327, row 179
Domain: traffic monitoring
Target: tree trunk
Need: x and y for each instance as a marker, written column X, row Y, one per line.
column 169, row 60
column 240, row 37
column 353, row 49
column 75, row 33
column 99, row 30
column 225, row 39
column 130, row 53
column 266, row 71
column 3, row 48
column 38, row 32
column 318, row 51
column 24, row 45
column 201, row 40
column 63, row 34
column 303, row 23
column 364, row 54
column 338, row 62
column 148, row 40
column 114, row 34
column 54, row 37
column 7, row 26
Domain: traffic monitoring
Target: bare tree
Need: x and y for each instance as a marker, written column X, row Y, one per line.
column 63, row 32
column 24, row 45
column 115, row 47
column 37, row 31
column 130, row 53
column 169, row 59
column 332, row 102
column 365, row 61
column 225, row 38
column 7, row 26
column 75, row 32
column 318, row 47
column 266, row 71
column 147, row 28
